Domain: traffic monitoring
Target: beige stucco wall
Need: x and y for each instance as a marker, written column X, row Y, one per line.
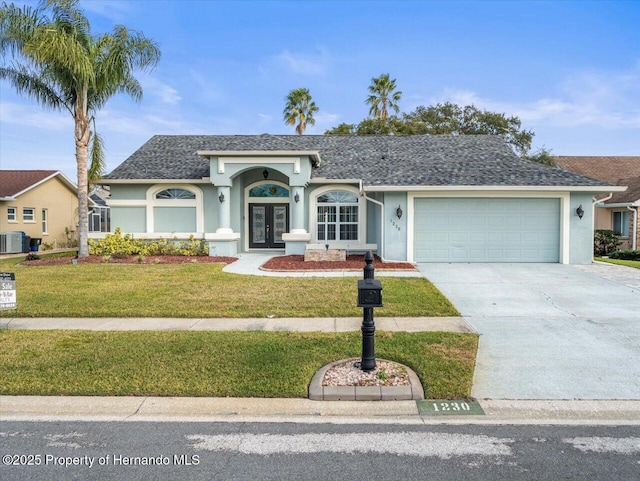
column 604, row 220
column 62, row 207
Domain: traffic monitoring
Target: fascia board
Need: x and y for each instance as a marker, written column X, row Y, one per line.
column 154, row 181
column 261, row 153
column 509, row 188
column 65, row 180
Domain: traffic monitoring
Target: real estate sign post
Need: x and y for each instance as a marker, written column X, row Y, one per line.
column 8, row 298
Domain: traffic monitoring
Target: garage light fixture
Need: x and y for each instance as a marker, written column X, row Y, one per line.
column 399, row 212
column 580, row 211
column 221, row 198
column 296, row 197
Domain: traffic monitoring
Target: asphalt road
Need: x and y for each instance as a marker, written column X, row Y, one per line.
column 287, row 451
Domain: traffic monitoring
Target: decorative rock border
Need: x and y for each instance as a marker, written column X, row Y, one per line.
column 318, row 392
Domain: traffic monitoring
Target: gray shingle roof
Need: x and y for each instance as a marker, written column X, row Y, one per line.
column 469, row 160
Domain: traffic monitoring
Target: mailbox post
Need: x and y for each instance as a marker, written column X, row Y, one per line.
column 369, row 296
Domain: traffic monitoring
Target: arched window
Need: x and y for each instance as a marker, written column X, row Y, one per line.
column 175, row 193
column 337, row 216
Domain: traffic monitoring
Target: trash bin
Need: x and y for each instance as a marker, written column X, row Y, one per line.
column 34, row 244
column 26, row 244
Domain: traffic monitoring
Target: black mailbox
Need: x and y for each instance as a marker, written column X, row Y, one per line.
column 369, row 293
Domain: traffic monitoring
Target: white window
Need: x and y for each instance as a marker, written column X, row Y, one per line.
column 12, row 215
column 45, row 218
column 28, row 214
column 621, row 223
column 337, row 217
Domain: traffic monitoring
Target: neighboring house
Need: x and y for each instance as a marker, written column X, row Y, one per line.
column 40, row 203
column 619, row 213
column 424, row 198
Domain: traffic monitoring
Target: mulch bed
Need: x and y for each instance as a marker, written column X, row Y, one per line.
column 54, row 261
column 279, row 263
column 353, row 262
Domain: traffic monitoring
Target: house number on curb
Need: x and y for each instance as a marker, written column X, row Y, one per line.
column 443, row 407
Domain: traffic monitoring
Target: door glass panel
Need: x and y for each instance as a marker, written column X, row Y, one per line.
column 258, row 223
column 279, row 222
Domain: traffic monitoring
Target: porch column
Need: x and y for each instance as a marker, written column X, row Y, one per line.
column 297, row 238
column 224, row 210
column 297, row 211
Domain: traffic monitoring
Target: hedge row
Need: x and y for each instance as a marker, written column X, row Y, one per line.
column 626, row 255
column 118, row 244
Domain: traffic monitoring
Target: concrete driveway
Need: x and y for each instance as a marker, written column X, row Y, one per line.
column 549, row 331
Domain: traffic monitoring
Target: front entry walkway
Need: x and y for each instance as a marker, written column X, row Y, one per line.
column 548, row 331
column 249, row 263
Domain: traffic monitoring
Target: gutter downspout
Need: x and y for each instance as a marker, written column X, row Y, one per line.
column 364, row 194
column 635, row 227
column 593, row 221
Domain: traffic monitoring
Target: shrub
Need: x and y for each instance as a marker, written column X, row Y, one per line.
column 605, row 242
column 125, row 245
column 626, row 255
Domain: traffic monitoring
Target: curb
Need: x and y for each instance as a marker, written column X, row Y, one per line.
column 318, row 392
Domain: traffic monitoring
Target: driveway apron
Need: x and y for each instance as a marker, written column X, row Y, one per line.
column 548, row 331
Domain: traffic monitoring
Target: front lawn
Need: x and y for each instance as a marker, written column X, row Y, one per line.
column 238, row 364
column 198, row 290
column 620, row 262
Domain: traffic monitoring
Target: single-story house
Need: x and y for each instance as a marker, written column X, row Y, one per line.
column 620, row 211
column 41, row 203
column 411, row 198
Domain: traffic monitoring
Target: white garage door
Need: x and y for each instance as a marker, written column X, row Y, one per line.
column 486, row 230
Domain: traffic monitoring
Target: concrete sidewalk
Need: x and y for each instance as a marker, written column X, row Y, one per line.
column 170, row 409
column 329, row 324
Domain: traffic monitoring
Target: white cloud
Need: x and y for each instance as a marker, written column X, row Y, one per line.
column 31, row 115
column 305, row 64
column 115, row 10
column 155, row 88
column 602, row 99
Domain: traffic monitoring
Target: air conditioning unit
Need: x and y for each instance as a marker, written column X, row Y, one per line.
column 11, row 242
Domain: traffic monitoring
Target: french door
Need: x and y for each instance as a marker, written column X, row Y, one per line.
column 267, row 223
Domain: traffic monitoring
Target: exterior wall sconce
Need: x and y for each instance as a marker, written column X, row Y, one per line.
column 296, row 197
column 580, row 211
column 221, row 198
column 399, row 212
column 265, row 173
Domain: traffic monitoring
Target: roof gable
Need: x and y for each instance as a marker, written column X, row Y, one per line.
column 376, row 160
column 14, row 183
column 618, row 170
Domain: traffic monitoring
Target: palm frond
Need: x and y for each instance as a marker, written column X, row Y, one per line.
column 33, row 85
column 96, row 155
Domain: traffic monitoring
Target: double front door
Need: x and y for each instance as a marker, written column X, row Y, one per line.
column 267, row 223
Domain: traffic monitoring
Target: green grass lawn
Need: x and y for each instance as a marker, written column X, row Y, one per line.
column 239, row 364
column 203, row 290
column 620, row 262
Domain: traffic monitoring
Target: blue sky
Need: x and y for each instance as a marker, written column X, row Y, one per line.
column 569, row 70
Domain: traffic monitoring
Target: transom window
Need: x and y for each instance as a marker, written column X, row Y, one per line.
column 621, row 223
column 337, row 216
column 175, row 194
column 268, row 190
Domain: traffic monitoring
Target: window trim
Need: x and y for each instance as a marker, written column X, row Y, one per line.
column 624, row 223
column 152, row 202
column 313, row 214
column 45, row 220
column 33, row 215
column 12, row 219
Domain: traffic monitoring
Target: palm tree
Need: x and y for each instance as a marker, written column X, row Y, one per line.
column 299, row 109
column 62, row 66
column 383, row 96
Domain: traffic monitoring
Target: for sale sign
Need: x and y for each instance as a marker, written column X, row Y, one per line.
column 8, row 291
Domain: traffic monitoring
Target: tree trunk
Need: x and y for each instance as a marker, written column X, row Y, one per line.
column 82, row 138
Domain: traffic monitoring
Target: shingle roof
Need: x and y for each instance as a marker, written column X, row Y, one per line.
column 615, row 170
column 13, row 182
column 378, row 160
